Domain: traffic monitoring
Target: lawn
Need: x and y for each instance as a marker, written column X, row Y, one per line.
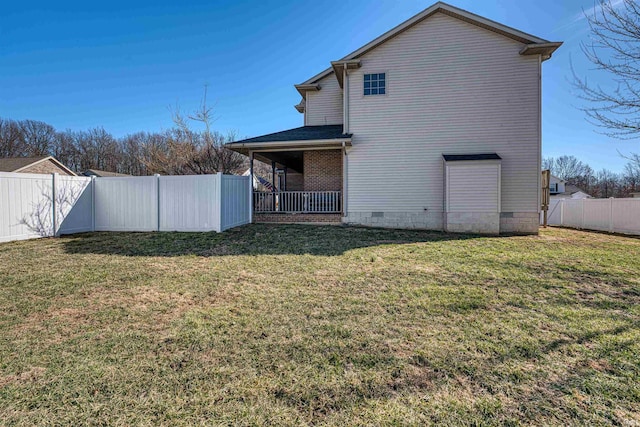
column 304, row 325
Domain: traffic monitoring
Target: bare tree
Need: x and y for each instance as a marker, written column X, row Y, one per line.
column 39, row 137
column 210, row 154
column 97, row 149
column 631, row 174
column 11, row 141
column 177, row 151
column 171, row 154
column 568, row 168
column 65, row 150
column 614, row 50
column 607, row 184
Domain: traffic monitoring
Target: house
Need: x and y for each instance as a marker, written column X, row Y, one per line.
column 559, row 189
column 436, row 124
column 103, row 174
column 42, row 164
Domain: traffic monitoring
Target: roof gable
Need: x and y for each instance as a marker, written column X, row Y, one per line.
column 454, row 12
column 11, row 164
column 16, row 164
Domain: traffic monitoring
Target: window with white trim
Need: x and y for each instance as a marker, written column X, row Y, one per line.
column 375, row 84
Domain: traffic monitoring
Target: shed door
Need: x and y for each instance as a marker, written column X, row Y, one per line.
column 473, row 186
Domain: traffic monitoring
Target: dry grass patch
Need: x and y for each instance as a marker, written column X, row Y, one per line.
column 303, row 325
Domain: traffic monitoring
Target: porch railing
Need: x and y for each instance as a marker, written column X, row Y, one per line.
column 297, row 201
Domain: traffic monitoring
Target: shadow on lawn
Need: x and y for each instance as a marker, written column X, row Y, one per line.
column 255, row 239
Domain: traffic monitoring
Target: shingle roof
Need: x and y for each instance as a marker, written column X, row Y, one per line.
column 570, row 189
column 304, row 133
column 459, row 157
column 100, row 173
column 10, row 164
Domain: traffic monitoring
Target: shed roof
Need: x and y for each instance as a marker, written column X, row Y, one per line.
column 462, row 157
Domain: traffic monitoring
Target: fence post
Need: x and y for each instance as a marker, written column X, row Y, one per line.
column 54, row 207
column 220, row 198
column 157, row 200
column 93, row 203
column 250, row 204
column 582, row 205
column 562, row 212
column 610, row 214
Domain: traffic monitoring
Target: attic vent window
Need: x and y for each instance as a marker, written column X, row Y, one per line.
column 375, row 84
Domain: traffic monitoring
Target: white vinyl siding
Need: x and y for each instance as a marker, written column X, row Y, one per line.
column 473, row 187
column 452, row 88
column 324, row 107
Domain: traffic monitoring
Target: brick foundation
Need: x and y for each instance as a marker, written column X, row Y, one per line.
column 284, row 218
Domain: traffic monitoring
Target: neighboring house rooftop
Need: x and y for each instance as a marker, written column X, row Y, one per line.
column 103, row 174
column 18, row 164
column 570, row 189
column 13, row 164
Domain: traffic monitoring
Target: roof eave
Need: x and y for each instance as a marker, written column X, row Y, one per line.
column 304, row 88
column 544, row 49
column 339, row 67
column 245, row 147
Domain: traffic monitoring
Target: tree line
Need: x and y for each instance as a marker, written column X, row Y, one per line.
column 176, row 151
column 599, row 184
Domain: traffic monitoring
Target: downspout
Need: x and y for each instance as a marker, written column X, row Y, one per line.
column 345, row 178
column 345, row 100
column 539, row 133
column 345, row 130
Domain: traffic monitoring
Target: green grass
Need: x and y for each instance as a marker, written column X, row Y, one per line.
column 303, row 325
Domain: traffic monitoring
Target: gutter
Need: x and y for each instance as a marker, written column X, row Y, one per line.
column 543, row 49
column 291, row 145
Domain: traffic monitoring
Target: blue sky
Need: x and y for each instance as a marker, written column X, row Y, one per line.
column 123, row 65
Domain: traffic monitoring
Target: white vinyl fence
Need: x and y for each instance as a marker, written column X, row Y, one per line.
column 33, row 205
column 46, row 205
column 612, row 215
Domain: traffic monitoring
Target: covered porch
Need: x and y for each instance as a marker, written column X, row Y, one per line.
column 304, row 176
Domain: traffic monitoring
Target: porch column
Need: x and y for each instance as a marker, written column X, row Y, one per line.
column 284, row 183
column 273, row 185
column 251, row 156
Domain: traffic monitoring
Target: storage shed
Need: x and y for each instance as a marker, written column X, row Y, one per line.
column 472, row 193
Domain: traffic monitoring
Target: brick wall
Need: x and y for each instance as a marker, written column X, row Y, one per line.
column 295, row 181
column 45, row 167
column 323, row 170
